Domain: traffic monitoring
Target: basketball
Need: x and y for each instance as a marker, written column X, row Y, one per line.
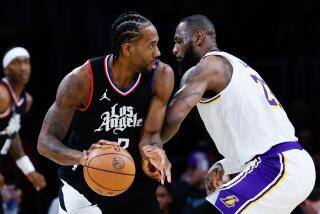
column 109, row 170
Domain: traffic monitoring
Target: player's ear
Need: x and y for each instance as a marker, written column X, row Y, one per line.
column 198, row 37
column 126, row 49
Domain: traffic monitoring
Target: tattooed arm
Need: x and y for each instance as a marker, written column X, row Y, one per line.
column 211, row 74
column 73, row 91
column 192, row 88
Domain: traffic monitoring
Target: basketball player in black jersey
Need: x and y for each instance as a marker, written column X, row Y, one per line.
column 120, row 97
column 14, row 103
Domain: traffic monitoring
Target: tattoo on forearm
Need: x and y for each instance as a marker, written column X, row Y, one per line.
column 57, row 123
column 54, row 147
column 57, row 129
column 184, row 97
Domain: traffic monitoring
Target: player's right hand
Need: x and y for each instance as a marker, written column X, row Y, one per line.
column 99, row 144
column 150, row 170
column 159, row 160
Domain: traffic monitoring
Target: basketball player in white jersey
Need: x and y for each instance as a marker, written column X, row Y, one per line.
column 247, row 123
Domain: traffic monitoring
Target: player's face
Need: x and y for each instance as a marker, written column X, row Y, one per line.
column 19, row 70
column 181, row 42
column 183, row 48
column 145, row 50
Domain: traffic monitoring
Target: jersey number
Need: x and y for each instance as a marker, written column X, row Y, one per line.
column 272, row 100
column 123, row 142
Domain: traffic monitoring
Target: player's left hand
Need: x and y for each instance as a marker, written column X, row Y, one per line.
column 213, row 179
column 37, row 180
column 159, row 160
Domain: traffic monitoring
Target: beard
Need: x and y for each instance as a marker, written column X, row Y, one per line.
column 189, row 60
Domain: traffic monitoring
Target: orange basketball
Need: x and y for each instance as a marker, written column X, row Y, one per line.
column 109, row 170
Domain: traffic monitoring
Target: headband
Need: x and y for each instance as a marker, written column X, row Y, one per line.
column 14, row 53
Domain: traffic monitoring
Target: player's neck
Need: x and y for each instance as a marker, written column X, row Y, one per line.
column 122, row 74
column 207, row 48
column 16, row 87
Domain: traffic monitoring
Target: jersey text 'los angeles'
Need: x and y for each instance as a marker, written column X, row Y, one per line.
column 112, row 114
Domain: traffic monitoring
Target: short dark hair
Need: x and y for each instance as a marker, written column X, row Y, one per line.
column 126, row 28
column 200, row 22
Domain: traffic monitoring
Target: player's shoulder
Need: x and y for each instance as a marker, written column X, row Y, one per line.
column 29, row 101
column 164, row 80
column 4, row 93
column 77, row 82
column 203, row 71
column 78, row 74
column 5, row 98
column 165, row 69
column 82, row 70
column 212, row 65
column 213, row 62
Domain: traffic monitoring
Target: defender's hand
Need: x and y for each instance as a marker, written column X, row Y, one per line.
column 150, row 170
column 213, row 179
column 37, row 180
column 159, row 160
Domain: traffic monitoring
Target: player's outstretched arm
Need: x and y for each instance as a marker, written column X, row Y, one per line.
column 163, row 86
column 192, row 87
column 73, row 92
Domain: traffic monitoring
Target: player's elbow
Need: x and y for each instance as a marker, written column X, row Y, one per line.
column 41, row 145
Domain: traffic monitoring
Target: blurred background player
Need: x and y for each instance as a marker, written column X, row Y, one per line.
column 311, row 205
column 246, row 122
column 114, row 97
column 165, row 199
column 11, row 196
column 14, row 103
column 190, row 191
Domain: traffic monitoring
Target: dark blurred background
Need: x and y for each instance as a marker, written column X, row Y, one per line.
column 279, row 39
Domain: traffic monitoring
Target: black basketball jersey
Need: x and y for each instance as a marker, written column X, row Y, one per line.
column 112, row 114
column 10, row 120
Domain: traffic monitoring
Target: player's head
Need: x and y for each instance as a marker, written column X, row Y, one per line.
column 135, row 39
column 194, row 35
column 16, row 65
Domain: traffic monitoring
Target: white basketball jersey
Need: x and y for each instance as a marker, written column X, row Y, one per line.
column 245, row 119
